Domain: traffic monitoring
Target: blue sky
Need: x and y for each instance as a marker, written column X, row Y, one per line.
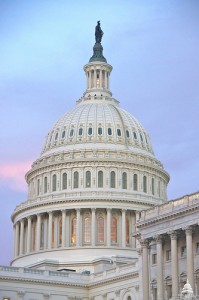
column 153, row 48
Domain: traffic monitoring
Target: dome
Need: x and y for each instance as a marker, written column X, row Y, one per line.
column 98, row 123
column 96, row 172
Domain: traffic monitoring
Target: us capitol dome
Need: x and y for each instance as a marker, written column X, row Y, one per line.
column 96, row 173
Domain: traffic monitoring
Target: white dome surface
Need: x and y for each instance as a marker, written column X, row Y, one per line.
column 98, row 124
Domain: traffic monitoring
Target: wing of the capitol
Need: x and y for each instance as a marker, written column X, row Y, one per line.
column 97, row 224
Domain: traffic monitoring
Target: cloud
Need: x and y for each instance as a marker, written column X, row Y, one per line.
column 12, row 175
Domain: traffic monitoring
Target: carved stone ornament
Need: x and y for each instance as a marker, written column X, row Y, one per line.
column 144, row 243
column 173, row 235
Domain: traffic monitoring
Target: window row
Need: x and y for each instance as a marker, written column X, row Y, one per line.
column 100, row 182
column 183, row 253
column 90, row 131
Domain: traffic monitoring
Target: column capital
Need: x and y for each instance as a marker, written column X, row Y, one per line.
column 93, row 209
column 144, row 243
column 108, row 209
column 29, row 217
column 117, row 293
column 173, row 235
column 158, row 238
column 22, row 221
column 188, row 230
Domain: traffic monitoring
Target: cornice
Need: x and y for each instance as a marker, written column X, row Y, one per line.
column 85, row 199
column 167, row 216
column 100, row 282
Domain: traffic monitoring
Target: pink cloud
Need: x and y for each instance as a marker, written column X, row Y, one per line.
column 12, row 175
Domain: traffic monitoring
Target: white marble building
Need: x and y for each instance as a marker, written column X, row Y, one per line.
column 80, row 231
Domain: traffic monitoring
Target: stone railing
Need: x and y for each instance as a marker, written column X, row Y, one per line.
column 64, row 276
column 170, row 207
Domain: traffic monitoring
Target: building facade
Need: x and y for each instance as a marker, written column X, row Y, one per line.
column 169, row 247
column 80, row 233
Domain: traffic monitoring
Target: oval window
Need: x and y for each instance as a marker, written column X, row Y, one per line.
column 118, row 132
column 109, row 131
column 100, row 130
column 135, row 135
column 80, row 131
column 90, row 130
column 63, row 134
column 71, row 132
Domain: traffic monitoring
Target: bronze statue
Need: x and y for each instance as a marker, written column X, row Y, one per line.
column 98, row 33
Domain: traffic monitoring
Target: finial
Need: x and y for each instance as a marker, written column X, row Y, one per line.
column 98, row 33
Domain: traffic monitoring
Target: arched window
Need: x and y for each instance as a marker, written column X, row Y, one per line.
column 73, row 230
column 45, row 184
column 119, row 132
column 144, row 184
column 135, row 182
column 90, row 131
column 100, row 130
column 124, row 180
column 88, row 179
column 127, row 134
column 129, row 298
column 76, row 180
column 100, row 179
column 112, row 179
column 100, row 230
column 71, row 132
column 153, row 186
column 127, row 230
column 54, row 183
column 141, row 137
column 135, row 135
column 38, row 187
column 80, row 131
column 63, row 134
column 87, row 230
column 56, row 136
column 109, row 131
column 113, row 230
column 64, row 181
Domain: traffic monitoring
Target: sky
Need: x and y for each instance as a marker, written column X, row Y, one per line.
column 153, row 48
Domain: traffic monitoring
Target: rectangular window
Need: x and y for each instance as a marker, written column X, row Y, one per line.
column 168, row 255
column 197, row 248
column 154, row 259
column 183, row 251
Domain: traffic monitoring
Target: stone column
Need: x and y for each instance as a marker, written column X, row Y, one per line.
column 108, row 227
column 123, row 228
column 67, row 230
column 56, row 230
column 21, row 246
column 93, row 227
column 64, row 228
column 190, row 263
column 29, row 235
column 17, row 239
column 100, row 78
column 160, row 283
column 38, row 233
column 145, row 268
column 95, row 78
column 78, row 227
column 106, row 79
column 50, row 221
column 174, row 264
column 90, row 73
